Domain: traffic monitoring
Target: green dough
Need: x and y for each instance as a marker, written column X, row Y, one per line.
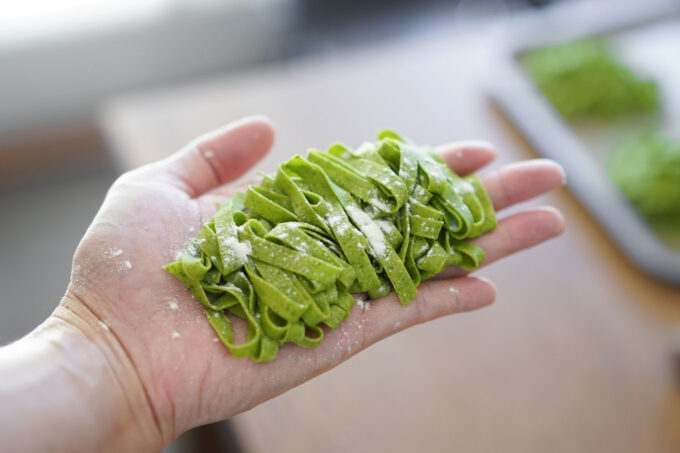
column 286, row 255
column 585, row 79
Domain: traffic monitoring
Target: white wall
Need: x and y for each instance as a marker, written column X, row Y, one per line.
column 62, row 78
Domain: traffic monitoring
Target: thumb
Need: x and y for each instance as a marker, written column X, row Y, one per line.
column 219, row 156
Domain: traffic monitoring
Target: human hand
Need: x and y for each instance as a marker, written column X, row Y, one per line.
column 166, row 353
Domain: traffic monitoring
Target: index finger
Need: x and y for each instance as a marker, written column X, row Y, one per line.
column 468, row 156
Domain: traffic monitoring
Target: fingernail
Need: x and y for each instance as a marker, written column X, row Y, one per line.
column 564, row 173
column 551, row 209
column 556, row 228
column 478, row 144
column 485, row 280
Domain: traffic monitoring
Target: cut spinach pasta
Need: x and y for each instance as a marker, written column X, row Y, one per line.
column 585, row 79
column 646, row 168
column 286, row 255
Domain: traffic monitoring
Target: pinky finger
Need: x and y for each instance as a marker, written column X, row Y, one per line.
column 380, row 318
column 515, row 233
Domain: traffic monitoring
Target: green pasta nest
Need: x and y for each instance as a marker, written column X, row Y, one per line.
column 286, row 255
column 647, row 170
column 585, row 79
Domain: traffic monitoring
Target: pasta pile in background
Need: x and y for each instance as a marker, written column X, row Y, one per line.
column 584, row 80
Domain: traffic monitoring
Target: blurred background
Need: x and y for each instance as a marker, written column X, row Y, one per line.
column 582, row 361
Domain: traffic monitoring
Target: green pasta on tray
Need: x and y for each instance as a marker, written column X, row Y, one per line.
column 286, row 255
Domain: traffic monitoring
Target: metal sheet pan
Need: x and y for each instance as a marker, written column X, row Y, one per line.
column 648, row 39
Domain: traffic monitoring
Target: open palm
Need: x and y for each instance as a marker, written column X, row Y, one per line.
column 187, row 376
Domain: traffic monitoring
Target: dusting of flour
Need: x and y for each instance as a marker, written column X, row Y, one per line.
column 241, row 250
column 370, row 229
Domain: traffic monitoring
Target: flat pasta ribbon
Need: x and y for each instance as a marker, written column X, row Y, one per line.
column 286, row 255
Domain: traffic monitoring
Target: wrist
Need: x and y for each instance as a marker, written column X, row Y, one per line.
column 71, row 387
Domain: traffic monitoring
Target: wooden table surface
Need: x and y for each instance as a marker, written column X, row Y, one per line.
column 574, row 356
